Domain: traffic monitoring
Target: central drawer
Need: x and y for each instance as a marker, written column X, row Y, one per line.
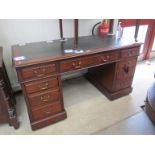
column 41, row 85
column 47, row 97
column 75, row 64
column 85, row 62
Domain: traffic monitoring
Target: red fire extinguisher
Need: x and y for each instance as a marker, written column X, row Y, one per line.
column 103, row 29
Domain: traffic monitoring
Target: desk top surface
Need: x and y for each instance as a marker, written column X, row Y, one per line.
column 40, row 52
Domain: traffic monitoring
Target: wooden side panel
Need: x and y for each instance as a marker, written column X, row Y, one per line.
column 7, row 100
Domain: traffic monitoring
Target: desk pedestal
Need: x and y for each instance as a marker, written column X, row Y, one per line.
column 113, row 80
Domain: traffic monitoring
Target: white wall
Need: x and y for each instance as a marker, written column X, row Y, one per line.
column 15, row 31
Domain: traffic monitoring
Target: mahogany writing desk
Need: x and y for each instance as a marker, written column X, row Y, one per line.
column 110, row 62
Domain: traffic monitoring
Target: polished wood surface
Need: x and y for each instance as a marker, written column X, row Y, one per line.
column 110, row 62
column 7, row 99
column 41, row 85
column 38, row 71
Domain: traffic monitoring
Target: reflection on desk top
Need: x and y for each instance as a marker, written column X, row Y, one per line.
column 32, row 53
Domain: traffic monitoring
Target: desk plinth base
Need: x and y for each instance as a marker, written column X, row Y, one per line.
column 108, row 94
column 48, row 121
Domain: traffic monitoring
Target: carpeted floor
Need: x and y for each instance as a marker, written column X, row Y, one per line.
column 89, row 110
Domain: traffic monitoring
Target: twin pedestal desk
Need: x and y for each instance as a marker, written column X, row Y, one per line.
column 110, row 62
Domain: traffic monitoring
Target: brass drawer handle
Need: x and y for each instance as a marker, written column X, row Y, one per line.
column 43, row 87
column 47, row 112
column 39, row 74
column 73, row 64
column 45, row 98
column 77, row 66
column 79, row 63
column 105, row 58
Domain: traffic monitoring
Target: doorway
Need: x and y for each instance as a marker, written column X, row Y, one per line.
column 143, row 30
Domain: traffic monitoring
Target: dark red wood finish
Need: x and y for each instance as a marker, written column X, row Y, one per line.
column 111, row 64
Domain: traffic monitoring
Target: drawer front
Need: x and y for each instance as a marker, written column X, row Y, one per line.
column 130, row 52
column 75, row 64
column 88, row 61
column 126, row 69
column 46, row 111
column 108, row 57
column 70, row 65
column 41, row 85
column 129, row 63
column 37, row 72
column 99, row 59
column 44, row 98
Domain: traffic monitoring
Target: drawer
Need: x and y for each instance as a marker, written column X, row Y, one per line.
column 108, row 57
column 47, row 97
column 130, row 52
column 74, row 64
column 130, row 63
column 70, row 65
column 99, row 59
column 88, row 61
column 126, row 69
column 41, row 85
column 38, row 72
column 46, row 111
